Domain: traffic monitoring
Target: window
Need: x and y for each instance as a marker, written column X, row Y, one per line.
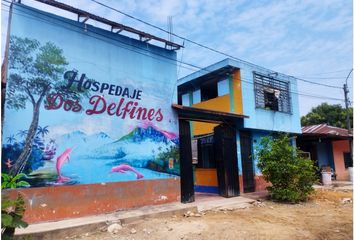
column 223, row 87
column 271, row 93
column 348, row 161
column 206, row 158
column 196, row 96
column 185, row 100
column 209, row 90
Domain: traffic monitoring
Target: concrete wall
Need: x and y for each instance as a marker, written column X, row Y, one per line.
column 262, row 119
column 339, row 147
column 206, row 180
column 87, row 184
column 57, row 203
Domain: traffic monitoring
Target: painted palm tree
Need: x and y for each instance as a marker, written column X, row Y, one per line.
column 42, row 131
column 11, row 139
column 22, row 133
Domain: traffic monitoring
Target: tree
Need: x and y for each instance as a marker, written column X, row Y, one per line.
column 22, row 133
column 35, row 72
column 291, row 175
column 42, row 131
column 334, row 115
column 11, row 139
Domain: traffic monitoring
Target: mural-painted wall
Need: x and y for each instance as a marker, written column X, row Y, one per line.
column 84, row 105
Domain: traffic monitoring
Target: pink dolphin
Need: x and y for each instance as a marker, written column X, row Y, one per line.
column 60, row 161
column 122, row 168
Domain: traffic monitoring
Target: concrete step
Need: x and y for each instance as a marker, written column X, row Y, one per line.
column 71, row 227
column 78, row 226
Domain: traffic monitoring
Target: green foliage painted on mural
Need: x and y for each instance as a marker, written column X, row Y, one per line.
column 35, row 72
column 292, row 176
column 334, row 115
column 161, row 162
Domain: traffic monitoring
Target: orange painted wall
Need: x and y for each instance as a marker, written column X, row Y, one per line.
column 220, row 104
column 339, row 147
column 206, row 177
column 57, row 203
column 237, row 92
column 260, row 183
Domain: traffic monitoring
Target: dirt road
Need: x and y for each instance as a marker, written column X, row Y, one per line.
column 325, row 216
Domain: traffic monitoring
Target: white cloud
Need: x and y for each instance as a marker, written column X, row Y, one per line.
column 294, row 37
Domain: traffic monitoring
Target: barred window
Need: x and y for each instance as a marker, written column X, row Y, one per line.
column 271, row 93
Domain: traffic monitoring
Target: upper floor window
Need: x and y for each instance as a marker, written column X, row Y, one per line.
column 223, row 87
column 196, row 96
column 186, row 100
column 209, row 90
column 271, row 93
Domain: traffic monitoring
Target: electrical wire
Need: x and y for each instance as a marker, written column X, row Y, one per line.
column 204, row 46
column 173, row 61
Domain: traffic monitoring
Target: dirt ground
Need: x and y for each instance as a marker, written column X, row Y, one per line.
column 325, row 216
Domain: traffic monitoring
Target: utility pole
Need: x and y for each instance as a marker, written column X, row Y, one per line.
column 346, row 91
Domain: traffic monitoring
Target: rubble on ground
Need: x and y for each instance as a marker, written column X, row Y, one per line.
column 114, row 228
column 346, row 200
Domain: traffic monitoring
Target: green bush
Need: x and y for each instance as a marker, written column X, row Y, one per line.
column 291, row 176
column 12, row 210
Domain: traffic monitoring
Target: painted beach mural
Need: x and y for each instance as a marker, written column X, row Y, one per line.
column 78, row 114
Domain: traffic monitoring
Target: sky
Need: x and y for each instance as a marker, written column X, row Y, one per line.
column 310, row 39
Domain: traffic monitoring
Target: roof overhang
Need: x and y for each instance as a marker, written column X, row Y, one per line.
column 312, row 136
column 217, row 74
column 206, row 115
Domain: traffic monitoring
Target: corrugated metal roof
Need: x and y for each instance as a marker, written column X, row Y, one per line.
column 324, row 129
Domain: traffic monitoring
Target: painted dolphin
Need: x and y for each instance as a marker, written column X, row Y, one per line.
column 64, row 157
column 122, row 168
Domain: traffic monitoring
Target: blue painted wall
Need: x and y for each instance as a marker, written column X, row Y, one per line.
column 325, row 154
column 95, row 143
column 267, row 119
column 256, row 140
column 259, row 119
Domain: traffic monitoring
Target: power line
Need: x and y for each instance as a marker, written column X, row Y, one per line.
column 202, row 45
column 338, row 78
column 173, row 61
column 321, row 73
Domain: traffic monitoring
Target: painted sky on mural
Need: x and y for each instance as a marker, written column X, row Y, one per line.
column 307, row 39
column 122, row 122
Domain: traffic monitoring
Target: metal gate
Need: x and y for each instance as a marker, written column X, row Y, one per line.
column 247, row 162
column 226, row 160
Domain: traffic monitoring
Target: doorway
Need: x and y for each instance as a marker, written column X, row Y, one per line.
column 225, row 161
column 247, row 162
column 224, row 149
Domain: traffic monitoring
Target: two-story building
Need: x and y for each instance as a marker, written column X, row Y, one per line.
column 250, row 102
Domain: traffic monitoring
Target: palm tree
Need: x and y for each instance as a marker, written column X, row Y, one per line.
column 22, row 133
column 11, row 139
column 42, row 131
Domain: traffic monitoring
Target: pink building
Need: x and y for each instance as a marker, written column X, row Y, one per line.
column 328, row 146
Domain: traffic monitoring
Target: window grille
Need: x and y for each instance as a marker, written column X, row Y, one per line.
column 271, row 93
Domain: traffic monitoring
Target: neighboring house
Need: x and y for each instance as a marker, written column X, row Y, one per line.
column 328, row 146
column 261, row 102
